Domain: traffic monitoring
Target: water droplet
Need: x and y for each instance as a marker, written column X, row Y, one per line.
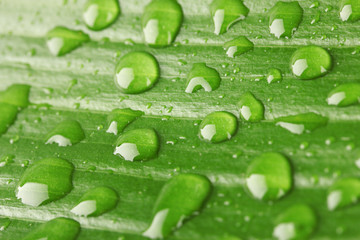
column 7, row 116
column 99, row 14
column 4, row 223
column 345, row 95
column 285, row 18
column 67, row 133
column 17, row 95
column 61, row 40
column 118, row 119
column 251, row 109
column 274, row 75
column 343, row 193
column 238, row 46
column 202, row 77
column 55, row 229
column 227, row 12
column 218, row 127
column 310, row 62
column 136, row 72
column 350, row 10
column 180, row 198
column 315, row 4
column 96, row 202
column 45, row 181
column 296, row 222
column 269, row 176
column 300, row 123
column 6, row 160
column 138, row 144
column 161, row 22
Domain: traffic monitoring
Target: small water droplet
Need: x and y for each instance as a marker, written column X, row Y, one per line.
column 17, row 95
column 301, row 123
column 66, row 133
column 251, row 109
column 202, row 77
column 238, row 46
column 118, row 119
column 99, row 14
column 345, row 95
column 274, row 75
column 343, row 193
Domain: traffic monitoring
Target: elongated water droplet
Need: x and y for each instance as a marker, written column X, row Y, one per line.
column 274, row 75
column 251, row 109
column 161, row 22
column 343, row 193
column 227, row 12
column 301, row 123
column 61, row 40
column 99, row 14
column 67, row 133
column 7, row 116
column 136, row 72
column 138, row 144
column 350, row 10
column 95, row 202
column 345, row 95
column 296, row 222
column 55, row 229
column 178, row 200
column 45, row 181
column 285, row 18
column 17, row 95
column 269, row 176
column 238, row 46
column 202, row 77
column 218, row 127
column 310, row 62
column 118, row 119
column 4, row 223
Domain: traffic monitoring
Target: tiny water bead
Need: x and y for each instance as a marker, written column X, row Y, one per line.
column 284, row 18
column 7, row 116
column 301, row 123
column 202, row 77
column 45, row 181
column 66, row 133
column 178, row 200
column 343, row 193
column 274, row 75
column 310, row 62
column 161, row 22
column 99, row 14
column 96, row 202
column 136, row 72
column 4, row 223
column 137, row 145
column 238, row 46
column 55, row 229
column 17, row 95
column 118, row 119
column 295, row 222
column 251, row 109
column 227, row 12
column 269, row 176
column 350, row 10
column 345, row 95
column 218, row 127
column 61, row 40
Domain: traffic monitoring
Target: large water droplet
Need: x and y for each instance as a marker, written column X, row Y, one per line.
column 202, row 77
column 4, row 223
column 285, row 18
column 310, row 62
column 345, row 95
column 55, row 229
column 99, row 14
column 61, row 40
column 96, row 201
column 138, row 144
column 161, row 22
column 118, row 119
column 7, row 116
column 136, row 72
column 218, row 127
column 67, row 133
column 350, row 10
column 301, row 123
column 269, row 176
column 45, row 181
column 180, row 197
column 17, row 95
column 296, row 222
column 251, row 109
column 238, row 46
column 227, row 12
column 343, row 193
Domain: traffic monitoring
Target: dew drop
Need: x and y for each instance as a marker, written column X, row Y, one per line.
column 251, row 109
column 238, row 46
column 118, row 119
column 343, row 193
column 202, row 77
column 274, row 75
column 66, row 133
column 345, row 95
column 350, row 10
column 99, row 14
column 301, row 123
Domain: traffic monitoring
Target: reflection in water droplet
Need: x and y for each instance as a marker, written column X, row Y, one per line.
column 251, row 109
column 99, row 14
column 345, row 95
column 343, row 193
column 202, row 77
column 66, row 133
column 238, row 46
column 274, row 75
column 118, row 119
column 33, row 194
column 350, row 10
column 301, row 123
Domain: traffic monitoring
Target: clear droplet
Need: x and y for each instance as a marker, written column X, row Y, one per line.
column 274, row 75
column 269, row 176
column 118, row 119
column 218, row 127
column 45, row 181
column 238, row 46
column 344, row 95
column 251, row 109
column 343, row 193
column 17, row 95
column 202, row 77
column 66, row 133
column 7, row 117
column 136, row 72
column 99, row 14
column 178, row 200
column 301, row 123
column 350, row 10
column 310, row 62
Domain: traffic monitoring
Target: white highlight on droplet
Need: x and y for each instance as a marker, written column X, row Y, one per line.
column 125, row 77
column 60, row 140
column 155, row 229
column 336, row 98
column 33, row 194
column 291, row 127
column 91, row 14
column 151, row 31
column 256, row 183
column 194, row 82
column 84, row 208
column 208, row 132
column 284, row 231
column 277, row 27
column 346, row 12
column 333, row 199
column 231, row 51
column 55, row 44
column 245, row 112
column 218, row 20
column 113, row 128
column 299, row 67
column 127, row 150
